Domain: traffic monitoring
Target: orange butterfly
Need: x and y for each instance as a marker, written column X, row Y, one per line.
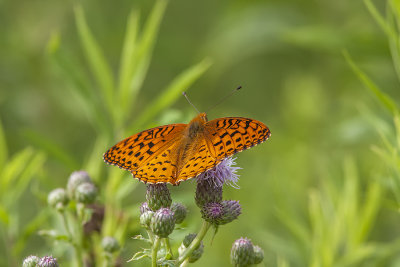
column 177, row 152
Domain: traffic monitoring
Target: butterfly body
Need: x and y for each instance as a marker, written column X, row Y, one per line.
column 177, row 152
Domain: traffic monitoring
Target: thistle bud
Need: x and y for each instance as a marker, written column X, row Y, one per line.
column 110, row 244
column 58, row 198
column 179, row 211
column 47, row 261
column 158, row 196
column 145, row 218
column 242, row 253
column 75, row 179
column 163, row 222
column 212, row 212
column 31, row 261
column 231, row 209
column 207, row 192
column 144, row 207
column 196, row 254
column 86, row 193
column 258, row 255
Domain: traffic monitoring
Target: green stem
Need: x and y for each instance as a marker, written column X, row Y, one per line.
column 77, row 245
column 185, row 263
column 151, row 235
column 154, row 251
column 195, row 243
column 168, row 248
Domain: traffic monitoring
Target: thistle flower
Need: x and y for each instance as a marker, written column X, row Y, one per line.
column 224, row 172
column 58, row 198
column 207, row 192
column 179, row 211
column 163, row 222
column 196, row 254
column 31, row 261
column 158, row 196
column 47, row 261
column 86, row 193
column 109, row 244
column 242, row 253
column 75, row 179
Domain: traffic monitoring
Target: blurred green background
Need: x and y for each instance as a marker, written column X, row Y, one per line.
column 314, row 194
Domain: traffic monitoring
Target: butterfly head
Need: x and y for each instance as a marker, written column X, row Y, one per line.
column 196, row 125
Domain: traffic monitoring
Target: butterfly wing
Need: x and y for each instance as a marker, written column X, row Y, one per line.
column 230, row 135
column 199, row 160
column 137, row 150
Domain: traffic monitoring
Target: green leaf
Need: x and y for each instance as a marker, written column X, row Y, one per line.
column 54, row 235
column 52, row 149
column 4, row 216
column 172, row 92
column 3, row 147
column 384, row 99
column 14, row 168
column 100, row 68
column 75, row 74
column 30, row 228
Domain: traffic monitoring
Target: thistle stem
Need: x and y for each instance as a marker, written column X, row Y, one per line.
column 75, row 244
column 185, row 263
column 154, row 251
column 168, row 248
column 195, row 243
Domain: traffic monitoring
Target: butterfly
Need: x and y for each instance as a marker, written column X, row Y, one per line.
column 177, row 152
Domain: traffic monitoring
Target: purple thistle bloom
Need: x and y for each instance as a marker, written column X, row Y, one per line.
column 212, row 212
column 47, row 261
column 224, row 172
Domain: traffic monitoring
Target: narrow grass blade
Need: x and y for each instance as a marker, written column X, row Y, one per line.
column 139, row 60
column 14, row 168
column 172, row 92
column 100, row 68
column 378, row 17
column 385, row 100
column 81, row 87
column 128, row 59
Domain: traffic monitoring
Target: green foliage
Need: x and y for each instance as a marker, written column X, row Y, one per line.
column 313, row 195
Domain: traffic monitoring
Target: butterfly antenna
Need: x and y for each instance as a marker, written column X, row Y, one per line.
column 187, row 98
column 225, row 97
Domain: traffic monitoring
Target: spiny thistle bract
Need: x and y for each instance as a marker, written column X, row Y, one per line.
column 47, row 261
column 58, row 198
column 31, row 261
column 179, row 211
column 163, row 222
column 110, row 244
column 158, row 196
column 86, row 193
column 244, row 253
column 75, row 179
